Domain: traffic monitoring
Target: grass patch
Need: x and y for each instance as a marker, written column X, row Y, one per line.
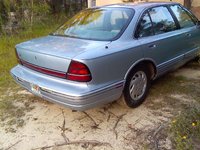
column 170, row 84
column 185, row 130
column 162, row 89
column 13, row 108
column 8, row 42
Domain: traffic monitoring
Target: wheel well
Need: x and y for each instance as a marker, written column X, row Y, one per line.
column 149, row 65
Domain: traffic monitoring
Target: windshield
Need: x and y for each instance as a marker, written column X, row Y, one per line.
column 96, row 24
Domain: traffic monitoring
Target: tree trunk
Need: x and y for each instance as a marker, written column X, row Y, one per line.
column 56, row 6
column 188, row 4
column 32, row 13
column 81, row 4
column 89, row 3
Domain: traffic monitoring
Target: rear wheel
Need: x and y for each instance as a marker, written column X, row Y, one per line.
column 137, row 86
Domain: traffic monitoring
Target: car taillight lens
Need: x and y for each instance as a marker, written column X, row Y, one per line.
column 17, row 56
column 78, row 72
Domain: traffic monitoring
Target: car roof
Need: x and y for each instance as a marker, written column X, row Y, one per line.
column 139, row 5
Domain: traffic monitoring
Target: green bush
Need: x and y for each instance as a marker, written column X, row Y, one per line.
column 4, row 12
column 30, row 12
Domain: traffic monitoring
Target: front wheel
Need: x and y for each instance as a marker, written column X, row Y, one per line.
column 137, row 86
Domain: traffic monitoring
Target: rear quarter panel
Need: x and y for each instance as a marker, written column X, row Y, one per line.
column 110, row 65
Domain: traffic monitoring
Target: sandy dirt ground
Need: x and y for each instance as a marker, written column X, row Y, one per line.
column 113, row 126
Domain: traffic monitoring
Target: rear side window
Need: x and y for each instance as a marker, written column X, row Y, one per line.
column 183, row 17
column 162, row 20
column 118, row 19
column 144, row 28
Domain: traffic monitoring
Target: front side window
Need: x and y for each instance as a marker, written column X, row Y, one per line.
column 97, row 23
column 144, row 28
column 162, row 20
column 184, row 19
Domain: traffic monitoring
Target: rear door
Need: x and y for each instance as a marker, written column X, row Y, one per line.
column 188, row 29
column 158, row 33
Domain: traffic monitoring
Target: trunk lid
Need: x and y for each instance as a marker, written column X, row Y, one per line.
column 55, row 52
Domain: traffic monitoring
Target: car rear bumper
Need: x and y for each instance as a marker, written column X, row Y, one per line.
column 77, row 96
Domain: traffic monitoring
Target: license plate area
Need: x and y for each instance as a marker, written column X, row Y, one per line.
column 35, row 89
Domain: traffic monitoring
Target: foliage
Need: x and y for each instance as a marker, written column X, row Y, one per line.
column 25, row 13
column 7, row 45
column 4, row 12
column 186, row 129
column 27, row 10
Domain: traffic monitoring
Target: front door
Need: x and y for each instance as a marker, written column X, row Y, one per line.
column 189, row 30
column 158, row 33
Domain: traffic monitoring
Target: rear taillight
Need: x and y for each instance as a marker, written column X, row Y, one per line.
column 78, row 72
column 17, row 56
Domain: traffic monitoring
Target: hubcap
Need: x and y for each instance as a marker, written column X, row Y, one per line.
column 138, row 85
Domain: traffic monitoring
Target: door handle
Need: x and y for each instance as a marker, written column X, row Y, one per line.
column 152, row 46
column 188, row 34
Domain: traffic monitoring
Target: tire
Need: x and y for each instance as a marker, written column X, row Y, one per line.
column 137, row 86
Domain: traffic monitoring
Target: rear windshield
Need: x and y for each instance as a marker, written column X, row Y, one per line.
column 97, row 24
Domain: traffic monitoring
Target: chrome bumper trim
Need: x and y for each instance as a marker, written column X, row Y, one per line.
column 76, row 101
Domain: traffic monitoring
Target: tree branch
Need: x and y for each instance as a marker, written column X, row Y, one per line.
column 89, row 142
column 95, row 126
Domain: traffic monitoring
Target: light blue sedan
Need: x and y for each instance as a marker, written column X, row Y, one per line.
column 104, row 52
